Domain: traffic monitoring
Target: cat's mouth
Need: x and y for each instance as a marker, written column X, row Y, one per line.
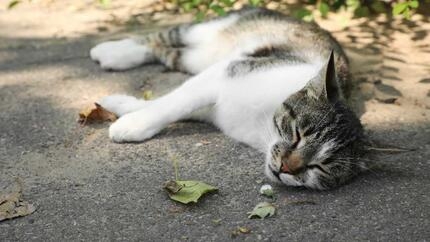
column 276, row 174
column 283, row 169
column 286, row 169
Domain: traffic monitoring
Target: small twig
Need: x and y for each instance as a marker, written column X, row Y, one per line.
column 175, row 167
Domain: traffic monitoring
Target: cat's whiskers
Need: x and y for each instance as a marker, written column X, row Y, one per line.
column 344, row 162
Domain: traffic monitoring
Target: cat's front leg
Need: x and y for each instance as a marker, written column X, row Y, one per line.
column 137, row 126
column 198, row 92
column 122, row 104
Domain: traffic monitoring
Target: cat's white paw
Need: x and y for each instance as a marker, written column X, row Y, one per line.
column 122, row 104
column 135, row 127
column 120, row 55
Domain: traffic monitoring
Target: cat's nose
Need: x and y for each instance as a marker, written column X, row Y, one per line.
column 292, row 163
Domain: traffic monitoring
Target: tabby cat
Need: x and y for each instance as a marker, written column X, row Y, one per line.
column 269, row 81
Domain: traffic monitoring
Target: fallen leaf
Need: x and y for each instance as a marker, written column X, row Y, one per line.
column 262, row 210
column 190, row 191
column 244, row 230
column 96, row 113
column 267, row 191
column 173, row 186
column 12, row 205
column 240, row 230
column 216, row 221
column 147, row 95
column 205, row 142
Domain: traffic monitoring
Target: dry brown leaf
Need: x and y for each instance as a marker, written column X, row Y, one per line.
column 240, row 230
column 12, row 205
column 205, row 142
column 96, row 113
column 244, row 230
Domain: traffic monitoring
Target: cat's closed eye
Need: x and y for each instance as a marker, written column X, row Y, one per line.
column 297, row 138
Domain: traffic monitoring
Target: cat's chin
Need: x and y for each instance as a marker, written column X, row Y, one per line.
column 269, row 174
column 286, row 179
column 289, row 180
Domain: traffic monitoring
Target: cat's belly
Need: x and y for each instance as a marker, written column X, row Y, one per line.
column 246, row 104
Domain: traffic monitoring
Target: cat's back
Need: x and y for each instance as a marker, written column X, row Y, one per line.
column 258, row 28
column 280, row 30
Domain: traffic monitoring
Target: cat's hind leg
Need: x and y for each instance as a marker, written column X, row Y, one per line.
column 128, row 53
column 188, row 48
column 121, row 55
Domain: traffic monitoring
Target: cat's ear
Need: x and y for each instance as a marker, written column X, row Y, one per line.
column 325, row 85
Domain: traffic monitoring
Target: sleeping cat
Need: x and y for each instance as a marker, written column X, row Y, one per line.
column 269, row 81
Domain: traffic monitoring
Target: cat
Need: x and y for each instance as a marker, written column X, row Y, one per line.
column 272, row 82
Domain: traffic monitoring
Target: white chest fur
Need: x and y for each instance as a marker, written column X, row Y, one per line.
column 246, row 104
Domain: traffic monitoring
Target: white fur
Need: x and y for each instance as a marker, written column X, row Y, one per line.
column 323, row 151
column 122, row 104
column 206, row 44
column 120, row 55
column 312, row 179
column 289, row 179
column 246, row 104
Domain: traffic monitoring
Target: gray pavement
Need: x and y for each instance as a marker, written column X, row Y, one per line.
column 87, row 188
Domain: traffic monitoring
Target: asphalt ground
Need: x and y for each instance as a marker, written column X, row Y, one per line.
column 87, row 188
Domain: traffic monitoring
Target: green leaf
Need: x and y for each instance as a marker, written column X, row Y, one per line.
column 254, row 2
column 399, row 8
column 324, row 9
column 104, row 2
column 413, row 4
column 362, row 11
column 407, row 14
column 268, row 193
column 200, row 16
column 302, row 13
column 308, row 18
column 187, row 6
column 147, row 95
column 188, row 191
column 13, row 4
column 262, row 210
column 173, row 187
column 353, row 4
column 378, row 6
column 227, row 3
column 196, row 2
column 218, row 9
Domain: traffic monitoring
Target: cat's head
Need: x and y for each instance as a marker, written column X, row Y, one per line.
column 320, row 136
